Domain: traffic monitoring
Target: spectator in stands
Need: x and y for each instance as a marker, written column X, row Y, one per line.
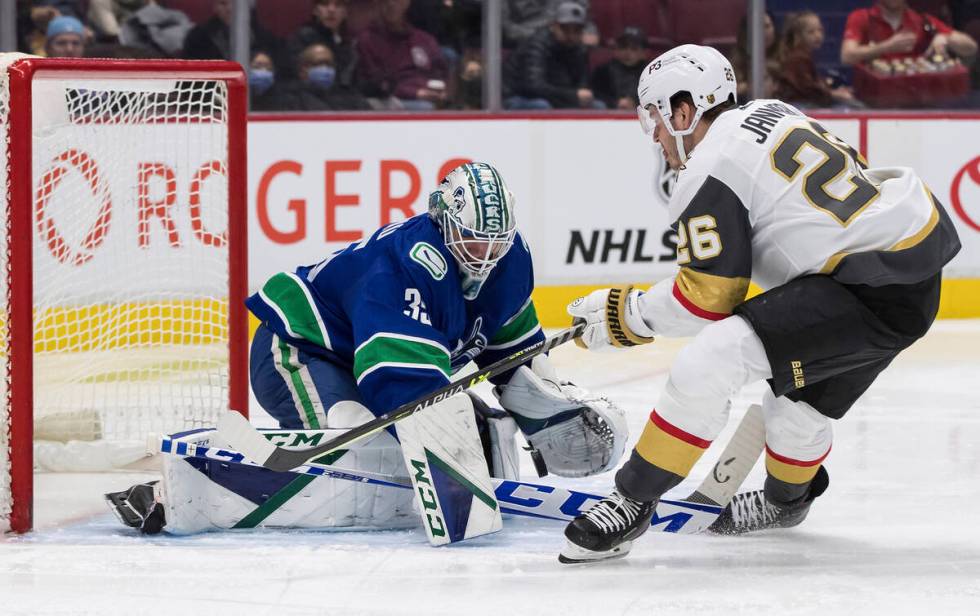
column 328, row 26
column 65, row 38
column 966, row 17
column 32, row 23
column 399, row 65
column 120, row 52
column 550, row 69
column 890, row 29
column 457, row 27
column 265, row 93
column 614, row 83
column 456, row 24
column 469, row 85
column 742, row 58
column 156, row 29
column 797, row 80
column 212, row 39
column 66, row 8
column 107, row 16
column 521, row 19
column 318, row 88
column 33, row 19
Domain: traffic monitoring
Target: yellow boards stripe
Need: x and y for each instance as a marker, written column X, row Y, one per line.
column 99, row 327
column 960, row 299
column 204, row 321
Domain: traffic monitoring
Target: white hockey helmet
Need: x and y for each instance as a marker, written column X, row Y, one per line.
column 701, row 71
column 475, row 211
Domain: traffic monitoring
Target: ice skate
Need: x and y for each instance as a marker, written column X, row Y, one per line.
column 751, row 511
column 137, row 507
column 607, row 530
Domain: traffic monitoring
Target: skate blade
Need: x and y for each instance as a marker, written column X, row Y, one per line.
column 573, row 554
column 122, row 509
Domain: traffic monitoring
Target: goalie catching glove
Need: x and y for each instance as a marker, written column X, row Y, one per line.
column 576, row 433
column 612, row 318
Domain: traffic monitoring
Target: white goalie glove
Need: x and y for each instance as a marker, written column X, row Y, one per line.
column 576, row 433
column 612, row 319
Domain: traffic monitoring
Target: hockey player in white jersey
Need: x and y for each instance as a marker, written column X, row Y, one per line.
column 850, row 258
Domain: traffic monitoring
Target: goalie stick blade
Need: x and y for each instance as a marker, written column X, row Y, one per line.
column 236, row 429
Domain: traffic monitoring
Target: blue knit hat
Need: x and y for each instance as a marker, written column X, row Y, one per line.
column 64, row 24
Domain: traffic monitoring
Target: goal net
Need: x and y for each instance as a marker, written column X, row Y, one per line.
column 122, row 230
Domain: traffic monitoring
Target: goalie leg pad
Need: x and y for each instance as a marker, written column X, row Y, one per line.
column 199, row 495
column 445, row 461
column 576, row 433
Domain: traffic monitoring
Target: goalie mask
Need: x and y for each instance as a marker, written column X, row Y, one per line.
column 701, row 71
column 475, row 211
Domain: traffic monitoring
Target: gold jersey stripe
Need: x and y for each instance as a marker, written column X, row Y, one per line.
column 719, row 294
column 913, row 240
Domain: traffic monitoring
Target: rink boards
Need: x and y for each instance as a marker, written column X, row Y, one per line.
column 590, row 189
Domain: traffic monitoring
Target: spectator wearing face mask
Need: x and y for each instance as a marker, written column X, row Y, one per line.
column 265, row 93
column 317, row 88
column 65, row 38
column 328, row 26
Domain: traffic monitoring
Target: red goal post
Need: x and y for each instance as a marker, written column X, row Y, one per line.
column 123, row 217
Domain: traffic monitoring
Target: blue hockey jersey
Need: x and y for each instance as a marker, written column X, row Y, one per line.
column 391, row 309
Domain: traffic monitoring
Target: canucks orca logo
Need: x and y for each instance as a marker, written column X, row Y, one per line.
column 459, row 200
column 466, row 351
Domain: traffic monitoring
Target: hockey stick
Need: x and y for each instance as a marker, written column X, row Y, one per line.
column 236, row 430
column 688, row 515
column 734, row 463
column 515, row 497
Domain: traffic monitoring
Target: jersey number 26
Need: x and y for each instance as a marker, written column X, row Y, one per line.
column 832, row 168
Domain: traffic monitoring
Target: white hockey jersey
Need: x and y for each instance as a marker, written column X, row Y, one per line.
column 768, row 194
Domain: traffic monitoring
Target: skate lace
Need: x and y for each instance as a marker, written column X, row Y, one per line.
column 614, row 513
column 752, row 507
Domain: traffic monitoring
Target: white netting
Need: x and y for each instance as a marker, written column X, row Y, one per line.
column 131, row 270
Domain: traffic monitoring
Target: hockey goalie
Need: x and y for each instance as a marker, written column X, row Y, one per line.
column 371, row 327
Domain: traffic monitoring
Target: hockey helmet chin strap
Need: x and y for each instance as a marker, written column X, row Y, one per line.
column 649, row 126
column 681, row 152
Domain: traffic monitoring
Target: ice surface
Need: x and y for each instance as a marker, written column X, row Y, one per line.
column 897, row 533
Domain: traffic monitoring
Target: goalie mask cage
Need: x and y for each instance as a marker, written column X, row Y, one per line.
column 123, row 232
